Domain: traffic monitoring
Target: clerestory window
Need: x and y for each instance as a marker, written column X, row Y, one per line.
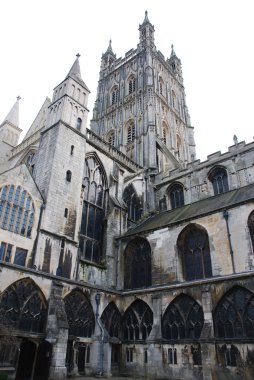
column 176, row 196
column 134, row 204
column 219, row 179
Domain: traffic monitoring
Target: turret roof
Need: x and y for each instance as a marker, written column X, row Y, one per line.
column 75, row 73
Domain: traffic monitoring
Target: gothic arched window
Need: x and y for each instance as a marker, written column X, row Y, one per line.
column 251, row 228
column 23, row 307
column 16, row 210
column 114, row 96
column 134, row 204
column 132, row 85
column 80, row 314
column 78, row 124
column 176, row 196
column 193, row 246
column 234, row 315
column 137, row 321
column 183, row 319
column 92, row 221
column 111, row 319
column 131, row 132
column 219, row 179
column 137, row 264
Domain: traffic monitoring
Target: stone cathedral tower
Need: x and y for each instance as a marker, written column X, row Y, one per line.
column 141, row 108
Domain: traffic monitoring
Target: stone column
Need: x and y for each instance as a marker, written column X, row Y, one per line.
column 57, row 332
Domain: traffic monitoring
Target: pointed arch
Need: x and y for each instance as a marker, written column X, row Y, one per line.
column 23, row 307
column 133, row 202
column 111, row 319
column 251, row 227
column 131, row 84
column 137, row 321
column 234, row 314
column 193, row 247
column 137, row 264
column 219, row 178
column 93, row 212
column 176, row 195
column 80, row 314
column 183, row 319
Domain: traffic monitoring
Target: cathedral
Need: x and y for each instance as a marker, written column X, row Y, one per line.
column 121, row 253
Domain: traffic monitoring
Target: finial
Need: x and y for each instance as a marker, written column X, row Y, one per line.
column 78, row 55
column 18, row 97
column 235, row 139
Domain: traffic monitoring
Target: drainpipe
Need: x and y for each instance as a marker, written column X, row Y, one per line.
column 37, row 236
column 97, row 300
column 226, row 215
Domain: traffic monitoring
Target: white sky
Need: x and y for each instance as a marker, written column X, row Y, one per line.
column 213, row 39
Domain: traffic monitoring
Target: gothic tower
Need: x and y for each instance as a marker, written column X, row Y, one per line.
column 59, row 169
column 141, row 107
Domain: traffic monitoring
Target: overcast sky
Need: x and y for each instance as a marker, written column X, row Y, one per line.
column 213, row 39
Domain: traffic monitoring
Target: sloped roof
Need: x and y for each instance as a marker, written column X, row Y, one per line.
column 195, row 210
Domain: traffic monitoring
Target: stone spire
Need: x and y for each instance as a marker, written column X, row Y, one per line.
column 146, row 20
column 13, row 115
column 109, row 49
column 75, row 72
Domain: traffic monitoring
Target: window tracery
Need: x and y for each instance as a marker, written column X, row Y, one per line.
column 219, row 179
column 234, row 315
column 94, row 202
column 134, row 204
column 137, row 321
column 176, row 195
column 193, row 246
column 16, row 210
column 183, row 319
column 80, row 314
column 111, row 319
column 23, row 307
column 137, row 264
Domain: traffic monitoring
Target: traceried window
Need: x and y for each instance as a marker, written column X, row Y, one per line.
column 251, row 228
column 234, row 315
column 193, row 247
column 131, row 132
column 137, row 321
column 80, row 314
column 137, row 264
column 176, row 196
column 114, row 96
column 92, row 221
column 183, row 319
column 134, row 204
column 132, row 85
column 111, row 319
column 219, row 179
column 111, row 138
column 16, row 210
column 23, row 307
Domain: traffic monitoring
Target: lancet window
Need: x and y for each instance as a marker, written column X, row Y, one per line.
column 94, row 202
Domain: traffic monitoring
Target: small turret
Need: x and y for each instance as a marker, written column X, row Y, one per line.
column 108, row 57
column 146, row 33
column 176, row 64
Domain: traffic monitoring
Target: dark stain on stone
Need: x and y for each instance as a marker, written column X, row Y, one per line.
column 47, row 256
column 70, row 225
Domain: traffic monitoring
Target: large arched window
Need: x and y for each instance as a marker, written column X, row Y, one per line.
column 234, row 315
column 193, row 246
column 111, row 319
column 137, row 321
column 176, row 196
column 251, row 228
column 134, row 204
column 183, row 319
column 219, row 178
column 92, row 221
column 16, row 210
column 137, row 264
column 80, row 314
column 23, row 307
